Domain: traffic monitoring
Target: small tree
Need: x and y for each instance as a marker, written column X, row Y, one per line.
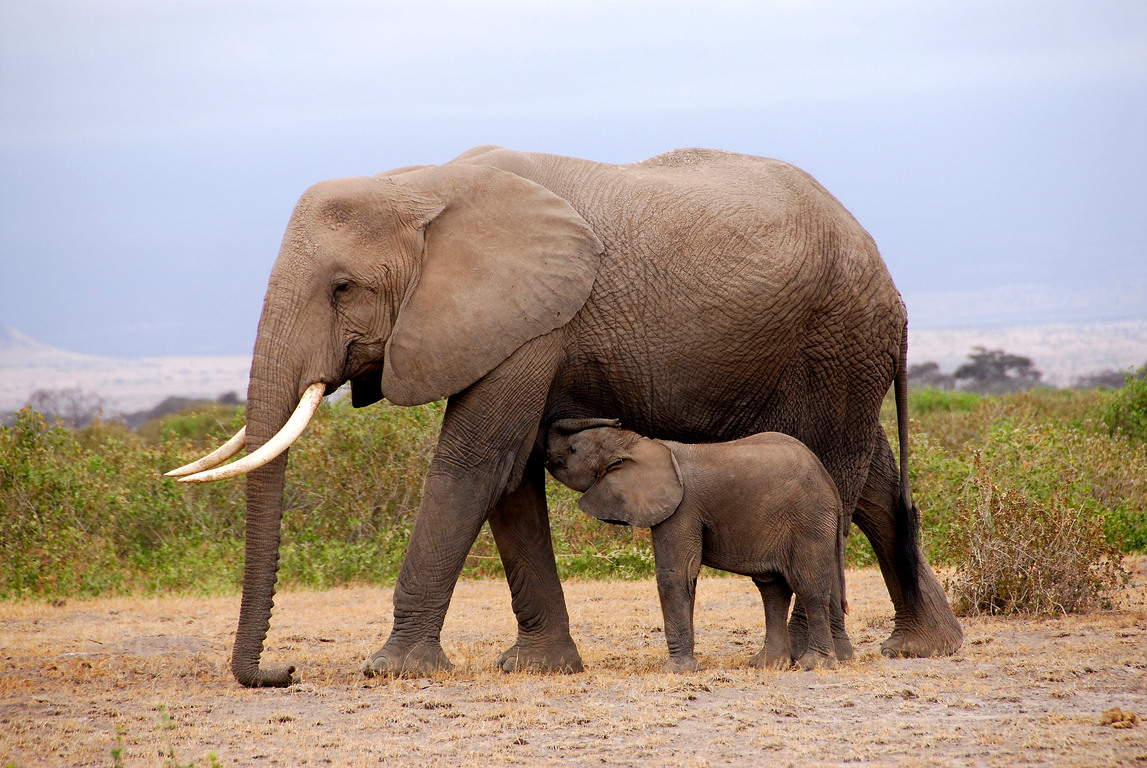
column 1108, row 379
column 993, row 371
column 929, row 375
column 71, row 407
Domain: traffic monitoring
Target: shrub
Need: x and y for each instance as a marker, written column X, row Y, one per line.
column 1042, row 443
column 1020, row 556
column 89, row 512
column 1126, row 411
column 932, row 399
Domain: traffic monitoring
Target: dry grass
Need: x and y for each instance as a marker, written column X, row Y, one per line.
column 1019, row 556
column 1023, row 691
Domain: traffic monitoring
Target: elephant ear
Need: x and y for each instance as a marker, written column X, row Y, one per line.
column 504, row 261
column 641, row 489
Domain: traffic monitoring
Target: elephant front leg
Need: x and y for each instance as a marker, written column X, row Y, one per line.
column 521, row 529
column 439, row 544
column 798, row 631
column 487, row 435
column 818, row 651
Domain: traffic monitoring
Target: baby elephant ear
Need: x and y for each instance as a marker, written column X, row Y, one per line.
column 642, row 490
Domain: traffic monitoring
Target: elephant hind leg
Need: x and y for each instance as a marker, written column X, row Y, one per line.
column 798, row 631
column 924, row 624
column 820, row 649
column 776, row 595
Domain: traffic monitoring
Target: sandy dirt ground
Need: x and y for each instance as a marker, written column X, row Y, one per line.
column 140, row 682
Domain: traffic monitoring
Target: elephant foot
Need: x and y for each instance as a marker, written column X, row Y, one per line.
column 798, row 634
column 925, row 626
column 554, row 657
column 768, row 658
column 419, row 660
column 843, row 647
column 907, row 642
column 680, row 664
column 814, row 660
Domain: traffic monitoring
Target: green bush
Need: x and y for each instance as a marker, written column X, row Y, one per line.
column 89, row 512
column 931, row 399
column 1044, row 443
column 1126, row 413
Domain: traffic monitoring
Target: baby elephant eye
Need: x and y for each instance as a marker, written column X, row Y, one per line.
column 572, row 449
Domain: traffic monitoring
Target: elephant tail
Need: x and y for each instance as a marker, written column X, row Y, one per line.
column 907, row 515
column 840, row 547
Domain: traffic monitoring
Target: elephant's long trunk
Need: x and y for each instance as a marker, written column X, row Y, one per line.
column 270, row 400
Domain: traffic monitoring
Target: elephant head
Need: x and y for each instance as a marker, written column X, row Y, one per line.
column 626, row 478
column 411, row 285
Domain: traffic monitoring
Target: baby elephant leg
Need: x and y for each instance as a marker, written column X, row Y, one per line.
column 678, row 562
column 798, row 631
column 819, row 652
column 776, row 595
column 677, row 593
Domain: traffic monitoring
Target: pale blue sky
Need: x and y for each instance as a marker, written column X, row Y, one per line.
column 151, row 153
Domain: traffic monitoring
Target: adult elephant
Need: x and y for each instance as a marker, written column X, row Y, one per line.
column 697, row 296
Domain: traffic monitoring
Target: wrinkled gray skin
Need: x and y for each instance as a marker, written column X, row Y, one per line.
column 762, row 506
column 698, row 296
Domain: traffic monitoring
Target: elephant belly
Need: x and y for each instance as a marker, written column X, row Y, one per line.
column 683, row 377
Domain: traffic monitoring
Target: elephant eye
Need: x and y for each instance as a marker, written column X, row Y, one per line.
column 340, row 287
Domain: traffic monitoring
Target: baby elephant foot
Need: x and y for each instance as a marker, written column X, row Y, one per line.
column 813, row 660
column 415, row 661
column 562, row 658
column 767, row 658
column 680, row 664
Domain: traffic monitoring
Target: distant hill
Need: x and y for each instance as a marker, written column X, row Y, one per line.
column 125, row 385
column 1062, row 352
column 18, row 350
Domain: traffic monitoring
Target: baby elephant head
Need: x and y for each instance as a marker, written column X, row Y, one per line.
column 577, row 449
column 627, row 479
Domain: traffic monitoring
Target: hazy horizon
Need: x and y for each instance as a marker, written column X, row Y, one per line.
column 1062, row 353
column 150, row 154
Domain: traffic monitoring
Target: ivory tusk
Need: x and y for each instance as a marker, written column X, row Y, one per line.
column 215, row 458
column 304, row 411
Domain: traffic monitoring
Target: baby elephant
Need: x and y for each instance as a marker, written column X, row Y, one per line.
column 763, row 506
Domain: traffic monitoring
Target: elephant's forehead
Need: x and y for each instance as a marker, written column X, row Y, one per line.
column 335, row 200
